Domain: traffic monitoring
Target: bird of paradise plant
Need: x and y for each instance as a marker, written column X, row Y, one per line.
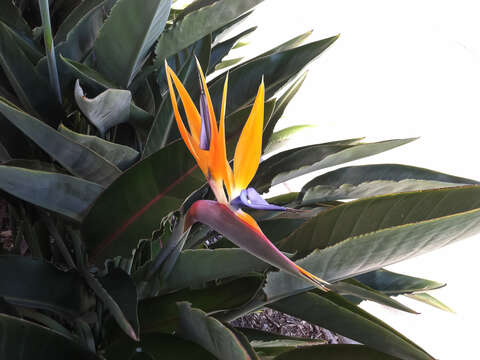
column 206, row 143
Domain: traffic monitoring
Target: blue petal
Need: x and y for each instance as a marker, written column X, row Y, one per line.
column 205, row 131
column 250, row 198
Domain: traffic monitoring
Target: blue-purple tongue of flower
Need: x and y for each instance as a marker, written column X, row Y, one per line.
column 251, row 198
column 205, row 131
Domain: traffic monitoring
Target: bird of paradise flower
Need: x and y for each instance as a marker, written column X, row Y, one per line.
column 206, row 142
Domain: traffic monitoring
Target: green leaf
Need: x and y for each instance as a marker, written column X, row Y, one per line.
column 282, row 138
column 106, row 110
column 139, row 199
column 63, row 194
column 4, row 155
column 120, row 155
column 392, row 283
column 126, row 37
column 76, row 158
column 336, row 352
column 164, row 125
column 222, row 49
column 336, row 314
column 430, row 300
column 283, row 101
column 370, row 180
column 111, row 304
column 277, row 69
column 37, row 284
column 31, row 341
column 355, row 288
column 74, row 18
column 290, row 44
column 379, row 231
column 160, row 313
column 268, row 344
column 220, row 33
column 79, row 39
column 227, row 63
column 198, row 24
column 30, row 87
column 210, row 334
column 196, row 267
column 123, row 291
column 299, row 161
column 11, row 16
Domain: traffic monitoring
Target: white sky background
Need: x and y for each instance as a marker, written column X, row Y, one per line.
column 399, row 69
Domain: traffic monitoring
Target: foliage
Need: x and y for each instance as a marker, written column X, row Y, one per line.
column 98, row 183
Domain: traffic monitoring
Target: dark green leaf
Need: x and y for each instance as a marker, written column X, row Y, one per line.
column 220, row 33
column 31, row 88
column 120, row 155
column 392, row 283
column 336, row 314
column 222, row 49
column 299, row 161
column 379, row 231
column 122, row 289
column 76, row 158
column 26, row 340
column 290, row 44
column 37, row 284
column 282, row 103
column 370, row 180
column 198, row 24
column 126, row 293
column 139, row 199
column 128, row 34
column 11, row 16
column 355, row 288
column 210, row 334
column 164, row 125
column 284, row 137
column 63, row 194
column 75, row 17
column 158, row 346
column 196, row 267
column 160, row 313
column 79, row 39
column 336, row 352
column 4, row 155
column 277, row 69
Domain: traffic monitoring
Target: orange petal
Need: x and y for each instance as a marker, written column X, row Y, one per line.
column 193, row 116
column 249, row 146
column 187, row 138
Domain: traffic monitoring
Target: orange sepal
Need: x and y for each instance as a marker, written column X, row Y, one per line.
column 249, row 146
column 189, row 141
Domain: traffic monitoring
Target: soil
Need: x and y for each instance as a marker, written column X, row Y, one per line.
column 276, row 322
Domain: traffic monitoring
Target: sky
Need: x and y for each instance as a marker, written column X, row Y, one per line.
column 399, row 69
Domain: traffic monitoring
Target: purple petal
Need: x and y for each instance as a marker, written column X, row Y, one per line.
column 251, row 198
column 205, row 131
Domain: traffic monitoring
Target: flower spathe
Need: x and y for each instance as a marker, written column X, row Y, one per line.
column 206, row 142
